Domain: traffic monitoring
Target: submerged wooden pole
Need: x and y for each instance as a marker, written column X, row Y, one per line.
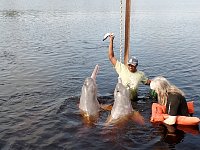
column 127, row 31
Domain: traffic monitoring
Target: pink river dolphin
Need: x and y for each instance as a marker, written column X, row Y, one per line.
column 122, row 110
column 89, row 105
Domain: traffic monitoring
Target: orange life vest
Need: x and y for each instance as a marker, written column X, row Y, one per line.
column 158, row 115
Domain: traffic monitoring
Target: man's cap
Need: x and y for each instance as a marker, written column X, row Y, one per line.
column 133, row 61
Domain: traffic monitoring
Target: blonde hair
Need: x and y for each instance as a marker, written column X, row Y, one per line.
column 162, row 87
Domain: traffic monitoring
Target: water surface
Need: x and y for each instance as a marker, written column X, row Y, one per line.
column 48, row 48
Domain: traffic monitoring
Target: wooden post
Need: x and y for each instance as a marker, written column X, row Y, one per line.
column 127, row 31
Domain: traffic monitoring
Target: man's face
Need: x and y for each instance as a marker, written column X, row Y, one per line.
column 132, row 68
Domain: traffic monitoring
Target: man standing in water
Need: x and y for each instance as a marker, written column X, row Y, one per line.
column 131, row 77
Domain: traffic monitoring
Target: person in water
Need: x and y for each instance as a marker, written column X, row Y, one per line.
column 170, row 96
column 130, row 76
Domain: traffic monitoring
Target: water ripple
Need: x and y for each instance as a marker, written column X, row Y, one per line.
column 46, row 52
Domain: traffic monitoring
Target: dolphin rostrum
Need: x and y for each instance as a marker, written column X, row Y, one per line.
column 122, row 109
column 89, row 105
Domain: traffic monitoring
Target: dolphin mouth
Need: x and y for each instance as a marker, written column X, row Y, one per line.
column 94, row 73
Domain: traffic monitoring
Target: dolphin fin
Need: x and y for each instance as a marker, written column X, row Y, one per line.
column 106, row 107
column 138, row 118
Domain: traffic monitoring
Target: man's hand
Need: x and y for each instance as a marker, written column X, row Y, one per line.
column 111, row 35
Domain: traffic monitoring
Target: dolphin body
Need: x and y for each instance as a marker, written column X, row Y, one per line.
column 89, row 105
column 122, row 109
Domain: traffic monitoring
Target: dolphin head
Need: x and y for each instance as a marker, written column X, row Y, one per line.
column 89, row 90
column 122, row 104
column 120, row 93
column 122, row 109
column 89, row 104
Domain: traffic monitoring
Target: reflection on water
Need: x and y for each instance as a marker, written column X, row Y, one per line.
column 11, row 13
column 168, row 138
column 48, row 49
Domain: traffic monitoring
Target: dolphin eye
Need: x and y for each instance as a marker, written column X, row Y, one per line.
column 86, row 83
